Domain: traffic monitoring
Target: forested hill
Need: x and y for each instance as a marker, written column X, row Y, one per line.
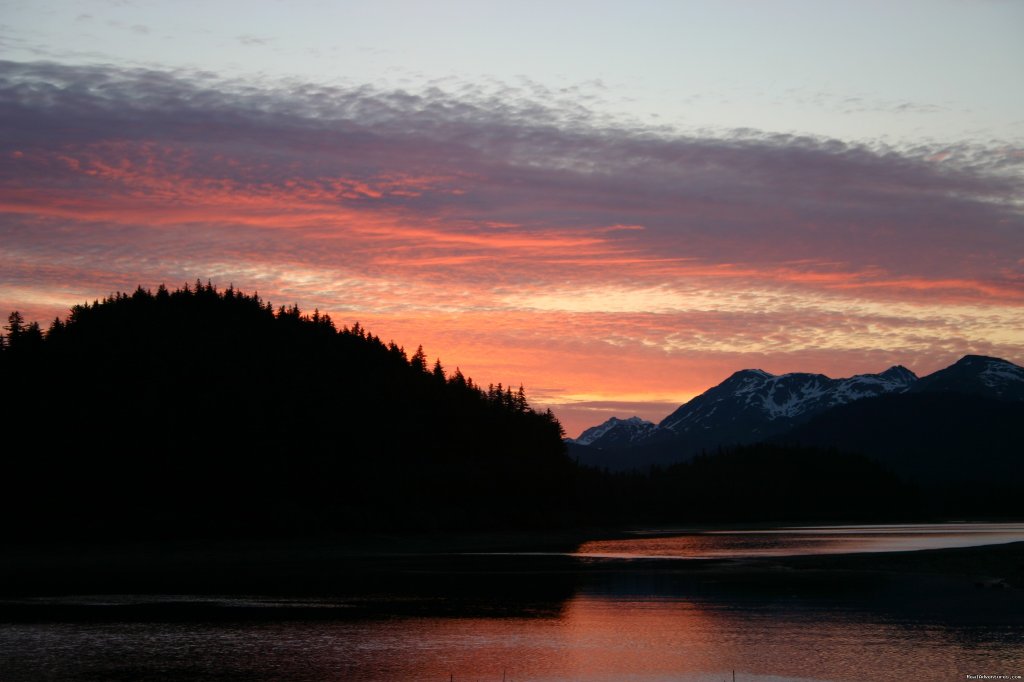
column 200, row 410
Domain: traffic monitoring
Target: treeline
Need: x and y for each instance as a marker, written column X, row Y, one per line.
column 199, row 410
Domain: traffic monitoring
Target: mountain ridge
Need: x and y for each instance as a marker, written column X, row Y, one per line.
column 752, row 405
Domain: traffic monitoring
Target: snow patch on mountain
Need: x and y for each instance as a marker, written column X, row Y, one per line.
column 997, row 373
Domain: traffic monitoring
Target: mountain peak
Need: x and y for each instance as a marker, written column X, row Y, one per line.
column 978, row 360
column 899, row 373
column 747, row 379
column 751, row 374
column 615, row 431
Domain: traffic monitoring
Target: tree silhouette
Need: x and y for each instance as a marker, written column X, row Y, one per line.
column 14, row 327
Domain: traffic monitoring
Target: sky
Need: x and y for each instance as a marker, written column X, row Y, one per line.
column 616, row 205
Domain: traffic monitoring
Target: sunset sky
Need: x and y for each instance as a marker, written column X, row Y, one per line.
column 614, row 204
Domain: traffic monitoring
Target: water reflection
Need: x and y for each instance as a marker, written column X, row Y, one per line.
column 651, row 638
column 617, row 638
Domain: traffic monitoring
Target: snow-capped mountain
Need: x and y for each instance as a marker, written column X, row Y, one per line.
column 753, row 405
column 759, row 403
column 615, row 432
column 750, row 405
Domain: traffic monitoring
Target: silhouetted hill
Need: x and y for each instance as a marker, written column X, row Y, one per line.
column 932, row 438
column 757, row 483
column 200, row 410
column 771, row 482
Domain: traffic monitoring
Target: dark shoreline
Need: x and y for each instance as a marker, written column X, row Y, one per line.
column 373, row 564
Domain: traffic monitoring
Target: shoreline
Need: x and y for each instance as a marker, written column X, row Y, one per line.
column 330, row 565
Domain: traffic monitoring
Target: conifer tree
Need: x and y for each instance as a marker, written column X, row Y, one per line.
column 15, row 329
column 418, row 361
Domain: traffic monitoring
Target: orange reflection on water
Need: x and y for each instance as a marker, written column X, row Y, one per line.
column 613, row 639
column 660, row 639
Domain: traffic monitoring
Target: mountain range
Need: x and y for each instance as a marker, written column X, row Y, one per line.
column 755, row 406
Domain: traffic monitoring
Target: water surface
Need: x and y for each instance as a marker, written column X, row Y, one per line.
column 595, row 637
column 489, row 618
